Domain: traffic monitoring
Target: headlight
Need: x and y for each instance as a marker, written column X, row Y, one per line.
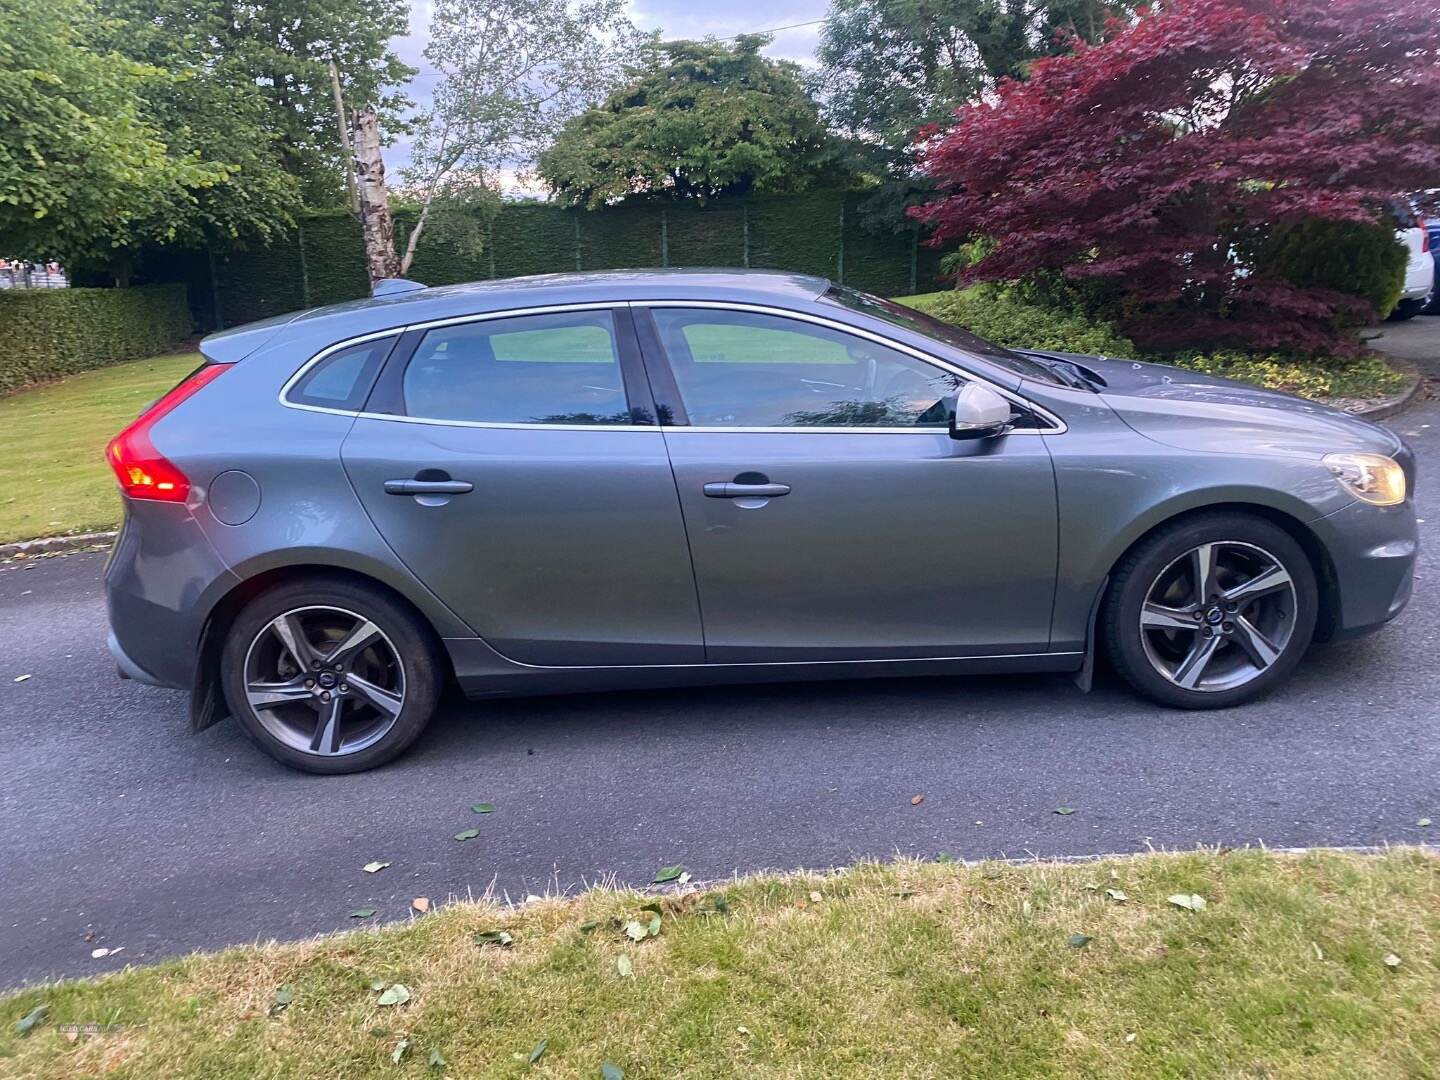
column 1374, row 478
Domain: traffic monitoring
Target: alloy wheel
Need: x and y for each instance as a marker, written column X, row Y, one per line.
column 324, row 680
column 1218, row 616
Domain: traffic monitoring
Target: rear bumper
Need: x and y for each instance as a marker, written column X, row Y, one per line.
column 1372, row 550
column 1419, row 277
column 159, row 568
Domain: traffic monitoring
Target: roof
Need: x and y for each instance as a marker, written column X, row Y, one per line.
column 373, row 314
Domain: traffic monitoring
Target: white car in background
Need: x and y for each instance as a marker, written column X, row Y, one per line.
column 1419, row 287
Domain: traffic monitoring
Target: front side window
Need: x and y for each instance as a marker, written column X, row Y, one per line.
column 747, row 369
column 561, row 368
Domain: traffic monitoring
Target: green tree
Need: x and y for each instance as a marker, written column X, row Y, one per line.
column 890, row 67
column 82, row 164
column 281, row 50
column 701, row 119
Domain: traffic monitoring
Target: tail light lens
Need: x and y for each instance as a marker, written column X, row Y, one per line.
column 1424, row 236
column 143, row 472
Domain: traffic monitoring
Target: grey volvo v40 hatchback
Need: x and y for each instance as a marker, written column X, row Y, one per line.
column 643, row 479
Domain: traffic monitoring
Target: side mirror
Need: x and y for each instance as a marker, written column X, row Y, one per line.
column 980, row 413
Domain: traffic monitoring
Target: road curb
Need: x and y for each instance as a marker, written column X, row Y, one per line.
column 1393, row 406
column 52, row 545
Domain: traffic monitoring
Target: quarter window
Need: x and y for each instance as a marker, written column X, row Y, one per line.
column 747, row 369
column 343, row 379
column 561, row 368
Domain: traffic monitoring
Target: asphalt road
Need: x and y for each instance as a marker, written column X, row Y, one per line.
column 119, row 828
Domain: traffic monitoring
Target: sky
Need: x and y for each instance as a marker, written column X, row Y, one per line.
column 673, row 18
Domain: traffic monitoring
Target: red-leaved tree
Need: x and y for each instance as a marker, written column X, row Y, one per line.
column 1149, row 161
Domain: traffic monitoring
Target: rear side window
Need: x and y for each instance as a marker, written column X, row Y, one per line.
column 343, row 379
column 560, row 368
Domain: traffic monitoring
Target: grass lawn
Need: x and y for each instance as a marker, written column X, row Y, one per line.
column 54, row 438
column 1320, row 965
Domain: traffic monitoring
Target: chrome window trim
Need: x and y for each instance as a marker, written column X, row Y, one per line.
column 1058, row 426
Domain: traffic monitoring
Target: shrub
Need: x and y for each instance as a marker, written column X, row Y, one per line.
column 1001, row 315
column 46, row 333
column 1344, row 256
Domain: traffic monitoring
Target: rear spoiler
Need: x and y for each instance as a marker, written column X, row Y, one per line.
column 232, row 346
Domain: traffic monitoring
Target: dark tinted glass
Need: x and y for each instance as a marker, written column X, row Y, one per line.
column 531, row 369
column 744, row 369
column 343, row 379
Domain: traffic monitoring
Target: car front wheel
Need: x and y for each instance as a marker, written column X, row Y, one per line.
column 1210, row 612
column 330, row 676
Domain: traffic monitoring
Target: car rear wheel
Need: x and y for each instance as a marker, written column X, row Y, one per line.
column 1210, row 612
column 330, row 676
column 1408, row 309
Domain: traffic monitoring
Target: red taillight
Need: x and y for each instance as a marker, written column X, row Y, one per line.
column 143, row 472
column 1424, row 236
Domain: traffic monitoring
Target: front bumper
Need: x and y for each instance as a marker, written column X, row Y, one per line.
column 1372, row 553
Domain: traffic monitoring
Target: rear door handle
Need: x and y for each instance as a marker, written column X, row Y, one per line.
column 428, row 487
column 729, row 489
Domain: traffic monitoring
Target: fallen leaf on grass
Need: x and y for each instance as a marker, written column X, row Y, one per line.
column 401, row 1049
column 611, row 1072
column 436, row 1059
column 374, row 867
column 668, row 873
column 421, row 904
column 589, row 927
column 362, row 913
column 1190, row 902
column 377, row 984
column 625, row 966
column 398, row 994
column 815, row 896
column 1079, row 941
column 283, row 997
column 31, row 1019
column 1130, row 1036
column 483, row 808
column 1116, row 895
column 467, row 834
column 635, row 930
column 502, row 938
column 742, row 1029
column 539, row 1050
column 1063, row 811
column 1391, row 960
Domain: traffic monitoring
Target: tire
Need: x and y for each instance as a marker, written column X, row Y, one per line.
column 377, row 697
column 1155, row 580
column 1408, row 309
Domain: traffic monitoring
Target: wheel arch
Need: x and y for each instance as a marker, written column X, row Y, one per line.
column 207, row 702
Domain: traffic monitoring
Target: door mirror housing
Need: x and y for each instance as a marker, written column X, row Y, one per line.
column 979, row 413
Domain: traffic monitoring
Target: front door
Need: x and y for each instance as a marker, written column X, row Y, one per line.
column 522, row 478
column 830, row 515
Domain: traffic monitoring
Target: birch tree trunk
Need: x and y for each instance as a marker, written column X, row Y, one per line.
column 381, row 261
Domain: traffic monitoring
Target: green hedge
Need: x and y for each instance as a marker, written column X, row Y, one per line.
column 46, row 333
column 322, row 262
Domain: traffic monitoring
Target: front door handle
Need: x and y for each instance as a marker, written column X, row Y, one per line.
column 729, row 489
column 428, row 487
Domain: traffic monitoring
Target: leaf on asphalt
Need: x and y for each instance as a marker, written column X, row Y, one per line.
column 625, row 966
column 1116, row 895
column 398, row 994
column 421, row 904
column 436, row 1059
column 1391, row 960
column 21, row 678
column 539, row 1050
column 494, row 937
column 1424, row 822
column 401, row 1049
column 1190, row 902
column 635, row 930
column 99, row 954
column 611, row 1072
column 917, row 800
column 467, row 834
column 1079, row 941
column 668, row 873
column 483, row 808
column 31, row 1019
column 362, row 913
column 1064, row 811
column 374, row 867
column 683, row 878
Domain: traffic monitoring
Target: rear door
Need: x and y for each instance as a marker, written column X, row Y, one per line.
column 514, row 465
column 829, row 513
